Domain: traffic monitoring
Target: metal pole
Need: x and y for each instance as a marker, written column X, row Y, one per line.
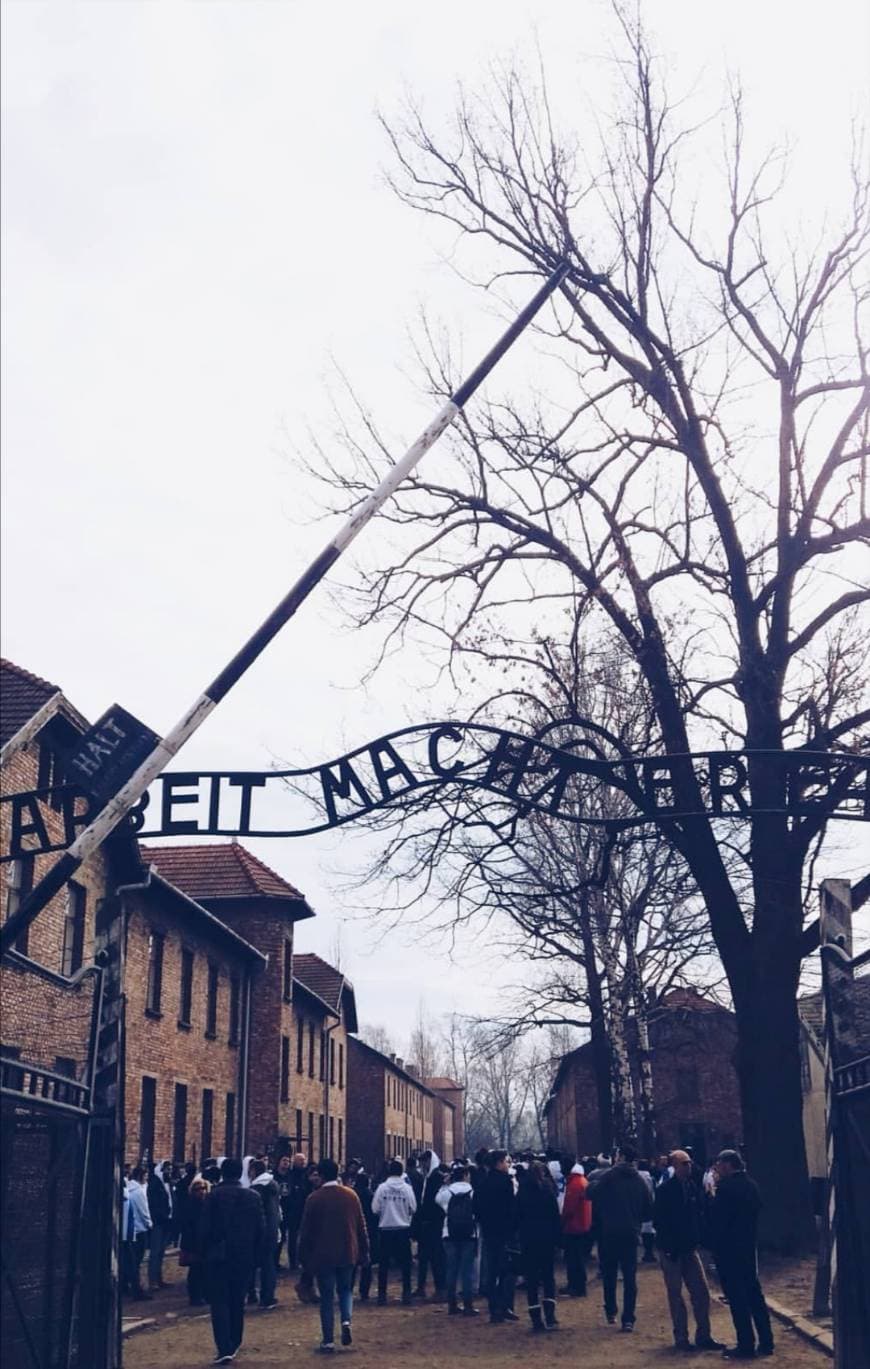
column 131, row 791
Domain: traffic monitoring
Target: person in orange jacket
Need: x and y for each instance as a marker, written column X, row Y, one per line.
column 576, row 1228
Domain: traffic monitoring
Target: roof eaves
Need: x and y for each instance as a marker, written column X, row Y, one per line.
column 321, row 1002
column 34, row 724
column 221, row 928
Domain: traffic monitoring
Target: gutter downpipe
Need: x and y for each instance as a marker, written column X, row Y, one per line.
column 326, row 1076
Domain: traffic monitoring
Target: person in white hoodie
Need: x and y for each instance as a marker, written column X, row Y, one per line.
column 136, row 1225
column 460, row 1239
column 394, row 1205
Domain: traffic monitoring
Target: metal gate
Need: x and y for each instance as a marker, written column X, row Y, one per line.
column 44, row 1123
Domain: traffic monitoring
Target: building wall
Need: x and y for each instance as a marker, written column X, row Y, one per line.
column 318, row 1089
column 695, row 1087
column 271, row 1016
column 388, row 1113
column 162, row 1049
column 43, row 1018
column 365, row 1106
column 454, row 1118
column 443, row 1130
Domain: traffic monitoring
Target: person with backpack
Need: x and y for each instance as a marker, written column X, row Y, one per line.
column 459, row 1234
column 495, row 1209
column 576, row 1226
column 394, row 1206
column 540, row 1231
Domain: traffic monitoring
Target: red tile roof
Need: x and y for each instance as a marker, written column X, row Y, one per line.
column 225, row 870
column 21, row 695
column 322, row 979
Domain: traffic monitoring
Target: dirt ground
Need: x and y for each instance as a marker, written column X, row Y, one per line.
column 422, row 1337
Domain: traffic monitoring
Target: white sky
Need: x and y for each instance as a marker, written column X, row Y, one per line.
column 194, row 224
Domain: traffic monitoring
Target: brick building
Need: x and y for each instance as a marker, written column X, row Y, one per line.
column 693, row 1042
column 389, row 1110
column 189, row 981
column 45, row 983
column 240, row 891
column 448, row 1128
column 324, row 1011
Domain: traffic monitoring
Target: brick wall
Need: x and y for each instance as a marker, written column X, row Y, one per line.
column 271, row 1016
column 42, row 1016
column 388, row 1113
column 365, row 1106
column 443, row 1130
column 318, row 1088
column 695, row 1086
column 165, row 1050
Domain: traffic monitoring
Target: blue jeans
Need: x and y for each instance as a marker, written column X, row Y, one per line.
column 460, row 1268
column 330, row 1282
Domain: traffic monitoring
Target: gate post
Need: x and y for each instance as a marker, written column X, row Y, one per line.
column 847, row 1090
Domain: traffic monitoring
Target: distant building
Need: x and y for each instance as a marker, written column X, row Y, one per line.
column 813, row 1071
column 390, row 1112
column 324, row 1011
column 697, row 1100
column 242, row 892
column 189, row 980
column 448, row 1128
column 48, row 981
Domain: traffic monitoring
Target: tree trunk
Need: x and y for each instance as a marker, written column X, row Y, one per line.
column 768, row 1054
column 601, row 1061
column 644, row 1053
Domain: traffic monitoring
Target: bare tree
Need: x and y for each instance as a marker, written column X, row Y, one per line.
column 697, row 477
column 377, row 1037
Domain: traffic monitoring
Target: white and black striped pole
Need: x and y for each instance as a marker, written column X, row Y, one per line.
column 133, row 788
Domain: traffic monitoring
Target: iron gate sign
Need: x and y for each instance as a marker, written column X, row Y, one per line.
column 573, row 781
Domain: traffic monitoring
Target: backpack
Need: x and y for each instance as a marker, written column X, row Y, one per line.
column 460, row 1217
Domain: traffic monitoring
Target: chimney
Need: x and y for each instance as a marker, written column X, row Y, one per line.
column 413, row 1071
column 400, row 1064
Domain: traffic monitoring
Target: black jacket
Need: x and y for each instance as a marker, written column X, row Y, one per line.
column 537, row 1216
column 158, row 1201
column 621, row 1202
column 293, row 1189
column 495, row 1206
column 678, row 1216
column 233, row 1226
column 734, row 1219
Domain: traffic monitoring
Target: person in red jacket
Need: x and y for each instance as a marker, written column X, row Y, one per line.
column 576, row 1226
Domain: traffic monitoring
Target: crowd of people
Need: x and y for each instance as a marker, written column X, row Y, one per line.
column 481, row 1229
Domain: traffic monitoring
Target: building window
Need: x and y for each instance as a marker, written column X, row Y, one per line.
column 211, row 1002
column 19, row 884
column 310, row 1137
column 322, row 1074
column 300, row 1139
column 340, row 1154
column 687, row 1084
column 179, row 1124
column 285, row 1069
column 288, row 970
column 235, row 1009
column 73, row 930
column 64, row 1064
column 147, row 1114
column 332, row 1060
column 230, row 1125
column 340, row 1065
column 332, row 1136
column 311, row 1050
column 185, row 1001
column 321, row 1136
column 300, row 1045
column 154, row 991
column 207, row 1124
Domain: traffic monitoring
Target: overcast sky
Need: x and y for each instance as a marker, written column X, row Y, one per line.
column 195, row 225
